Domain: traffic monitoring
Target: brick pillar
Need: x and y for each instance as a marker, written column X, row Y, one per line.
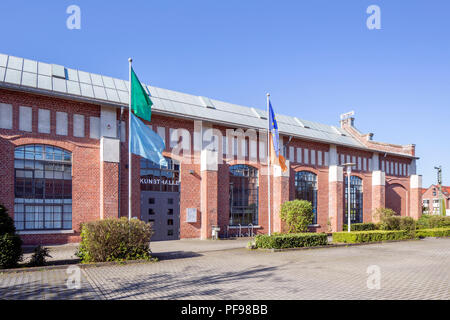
column 415, row 196
column 280, row 195
column 336, row 197
column 109, row 178
column 209, row 193
column 378, row 192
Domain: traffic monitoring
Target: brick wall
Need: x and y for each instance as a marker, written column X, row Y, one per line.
column 85, row 158
column 97, row 188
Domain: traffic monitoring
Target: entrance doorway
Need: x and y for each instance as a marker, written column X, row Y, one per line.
column 160, row 199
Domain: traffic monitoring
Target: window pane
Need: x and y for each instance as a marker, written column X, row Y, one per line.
column 19, row 225
column 19, row 153
column 29, row 164
column 19, row 164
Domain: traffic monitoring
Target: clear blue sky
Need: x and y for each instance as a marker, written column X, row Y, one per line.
column 316, row 58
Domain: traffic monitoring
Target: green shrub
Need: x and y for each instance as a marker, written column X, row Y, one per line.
column 437, row 232
column 10, row 250
column 397, row 223
column 370, row 236
column 114, row 240
column 6, row 222
column 10, row 242
column 390, row 223
column 382, row 213
column 361, row 226
column 297, row 214
column 431, row 221
column 291, row 240
column 408, row 224
column 39, row 256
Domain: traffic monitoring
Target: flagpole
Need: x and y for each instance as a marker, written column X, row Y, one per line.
column 129, row 140
column 268, row 161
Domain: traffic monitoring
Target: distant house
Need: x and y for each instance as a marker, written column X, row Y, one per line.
column 430, row 199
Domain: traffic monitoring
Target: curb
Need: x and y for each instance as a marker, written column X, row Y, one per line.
column 80, row 265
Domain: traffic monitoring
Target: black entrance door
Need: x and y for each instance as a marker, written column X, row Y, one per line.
column 162, row 209
column 160, row 199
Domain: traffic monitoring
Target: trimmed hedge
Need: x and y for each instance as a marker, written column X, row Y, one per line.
column 431, row 221
column 114, row 240
column 437, row 232
column 371, row 236
column 291, row 240
column 360, row 226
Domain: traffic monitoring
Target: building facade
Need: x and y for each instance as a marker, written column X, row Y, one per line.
column 431, row 199
column 64, row 161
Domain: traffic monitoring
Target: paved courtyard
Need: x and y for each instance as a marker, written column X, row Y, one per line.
column 409, row 270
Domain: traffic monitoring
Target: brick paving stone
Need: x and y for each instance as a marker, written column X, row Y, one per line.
column 409, row 270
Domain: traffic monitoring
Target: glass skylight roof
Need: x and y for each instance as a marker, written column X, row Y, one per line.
column 55, row 79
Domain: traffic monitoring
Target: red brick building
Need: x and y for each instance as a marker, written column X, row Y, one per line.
column 430, row 199
column 64, row 161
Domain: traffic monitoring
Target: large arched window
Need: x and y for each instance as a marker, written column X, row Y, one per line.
column 43, row 188
column 243, row 195
column 306, row 189
column 356, row 200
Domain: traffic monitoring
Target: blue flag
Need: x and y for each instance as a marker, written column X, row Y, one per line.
column 274, row 148
column 145, row 142
column 273, row 128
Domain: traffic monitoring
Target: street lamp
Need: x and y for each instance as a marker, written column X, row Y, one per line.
column 348, row 166
column 439, row 180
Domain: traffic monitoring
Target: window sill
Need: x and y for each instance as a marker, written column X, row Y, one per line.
column 314, row 225
column 46, row 232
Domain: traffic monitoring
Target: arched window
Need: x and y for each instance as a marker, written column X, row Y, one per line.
column 243, row 195
column 356, row 200
column 157, row 178
column 43, row 188
column 306, row 189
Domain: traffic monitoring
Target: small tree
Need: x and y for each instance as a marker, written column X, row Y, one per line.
column 297, row 214
column 10, row 242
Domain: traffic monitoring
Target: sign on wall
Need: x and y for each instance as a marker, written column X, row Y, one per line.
column 191, row 215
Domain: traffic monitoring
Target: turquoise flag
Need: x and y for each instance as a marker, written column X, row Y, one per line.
column 140, row 101
column 145, row 142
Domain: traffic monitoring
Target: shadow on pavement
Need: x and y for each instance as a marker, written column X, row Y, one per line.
column 175, row 255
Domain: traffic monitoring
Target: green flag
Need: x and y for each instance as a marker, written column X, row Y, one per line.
column 140, row 101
